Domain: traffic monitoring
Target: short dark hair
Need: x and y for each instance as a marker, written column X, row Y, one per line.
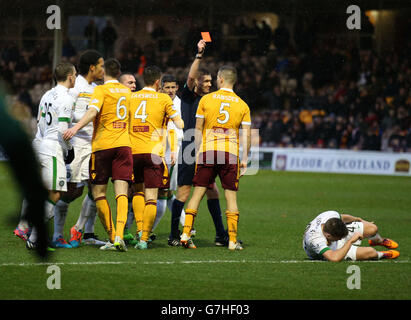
column 88, row 58
column 336, row 227
column 112, row 68
column 202, row 72
column 151, row 74
column 168, row 78
column 125, row 74
column 228, row 73
column 63, row 70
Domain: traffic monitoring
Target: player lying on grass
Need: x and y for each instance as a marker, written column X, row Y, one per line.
column 334, row 237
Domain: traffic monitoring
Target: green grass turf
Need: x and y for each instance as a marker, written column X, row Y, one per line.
column 275, row 208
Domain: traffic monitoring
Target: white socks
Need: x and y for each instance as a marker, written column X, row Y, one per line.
column 60, row 214
column 87, row 216
column 130, row 214
column 376, row 238
column 91, row 221
column 161, row 210
column 49, row 213
column 23, row 224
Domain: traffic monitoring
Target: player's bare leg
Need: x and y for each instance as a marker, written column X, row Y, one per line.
column 368, row 253
column 183, row 192
column 370, row 229
column 73, row 192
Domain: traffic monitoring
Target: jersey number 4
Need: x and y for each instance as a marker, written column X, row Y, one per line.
column 141, row 111
column 223, row 113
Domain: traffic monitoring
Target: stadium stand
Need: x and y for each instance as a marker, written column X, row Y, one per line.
column 309, row 92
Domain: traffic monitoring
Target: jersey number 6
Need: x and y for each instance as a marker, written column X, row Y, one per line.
column 121, row 109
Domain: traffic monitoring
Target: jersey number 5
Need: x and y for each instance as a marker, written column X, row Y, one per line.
column 224, row 113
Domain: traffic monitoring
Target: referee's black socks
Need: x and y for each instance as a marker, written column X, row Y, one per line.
column 175, row 218
column 215, row 211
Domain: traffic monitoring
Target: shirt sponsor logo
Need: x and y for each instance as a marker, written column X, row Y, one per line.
column 222, row 130
column 119, row 125
column 141, row 129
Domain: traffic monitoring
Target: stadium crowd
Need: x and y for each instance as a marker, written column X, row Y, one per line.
column 310, row 92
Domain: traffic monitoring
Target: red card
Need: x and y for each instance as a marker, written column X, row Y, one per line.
column 206, row 36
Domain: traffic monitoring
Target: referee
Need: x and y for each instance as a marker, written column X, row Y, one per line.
column 198, row 84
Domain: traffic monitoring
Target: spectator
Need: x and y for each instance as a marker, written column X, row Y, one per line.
column 322, row 95
column 108, row 37
column 281, row 37
column 371, row 141
column 91, row 34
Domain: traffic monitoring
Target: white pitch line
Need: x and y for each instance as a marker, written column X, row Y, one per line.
column 31, row 264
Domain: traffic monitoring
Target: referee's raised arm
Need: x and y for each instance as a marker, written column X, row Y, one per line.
column 192, row 75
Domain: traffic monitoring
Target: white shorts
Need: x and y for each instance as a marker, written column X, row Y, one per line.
column 352, row 227
column 53, row 171
column 78, row 170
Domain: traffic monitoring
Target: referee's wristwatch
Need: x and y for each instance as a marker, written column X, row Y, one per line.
column 199, row 56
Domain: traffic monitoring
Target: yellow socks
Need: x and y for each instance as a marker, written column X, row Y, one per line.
column 104, row 213
column 149, row 217
column 189, row 220
column 232, row 225
column 122, row 211
column 138, row 209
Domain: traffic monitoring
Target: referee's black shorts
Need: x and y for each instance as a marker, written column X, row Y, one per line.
column 185, row 174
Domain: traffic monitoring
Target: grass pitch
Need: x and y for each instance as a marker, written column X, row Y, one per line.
column 274, row 207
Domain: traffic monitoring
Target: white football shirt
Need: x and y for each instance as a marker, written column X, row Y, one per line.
column 171, row 125
column 81, row 93
column 56, row 106
column 314, row 242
